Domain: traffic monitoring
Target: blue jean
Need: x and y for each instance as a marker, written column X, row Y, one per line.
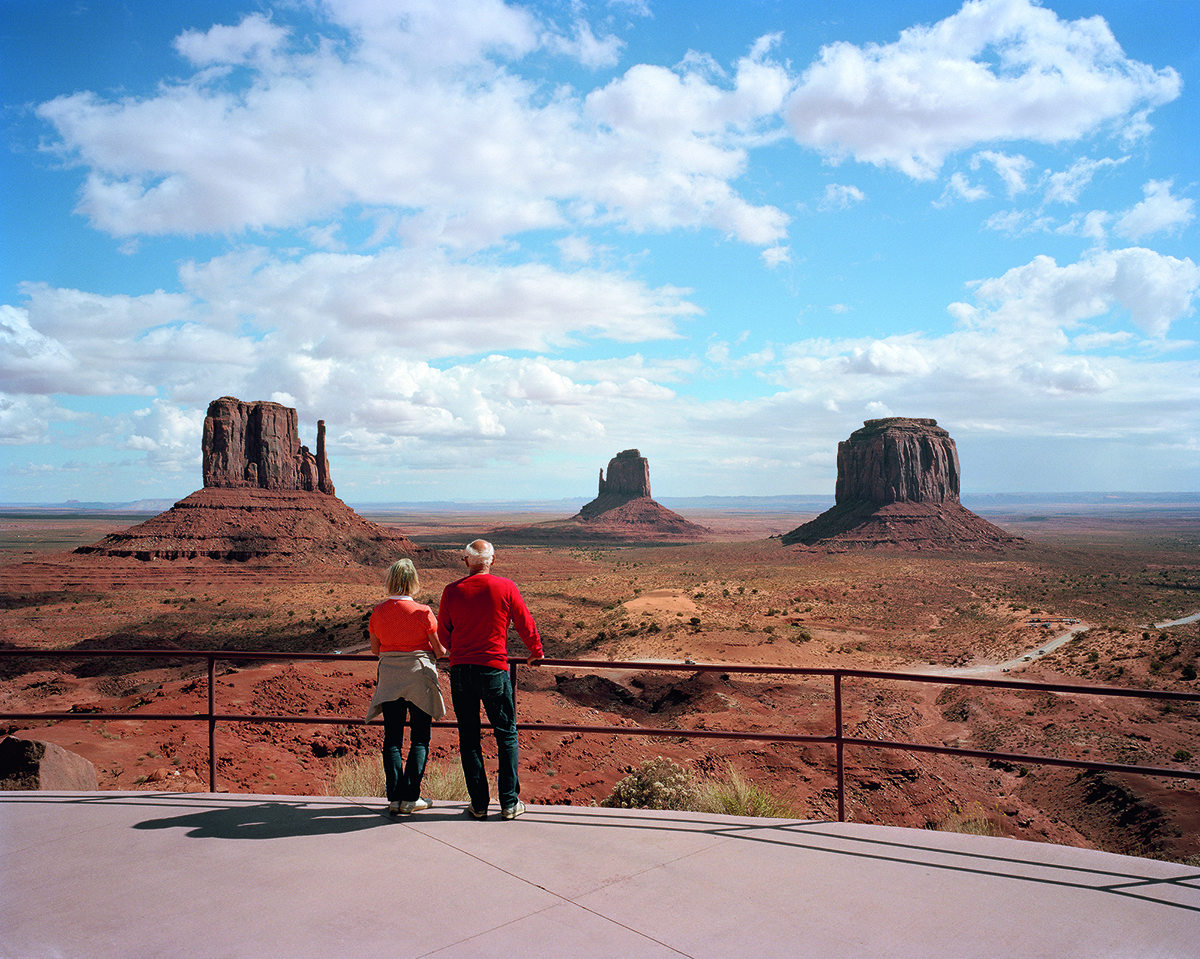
column 473, row 686
column 404, row 785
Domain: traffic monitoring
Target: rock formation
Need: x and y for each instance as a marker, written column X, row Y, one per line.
column 264, row 496
column 898, row 460
column 33, row 764
column 621, row 512
column 628, row 479
column 257, row 446
column 898, row 485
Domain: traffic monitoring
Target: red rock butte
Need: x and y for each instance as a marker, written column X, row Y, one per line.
column 264, row 496
column 622, row 511
column 898, row 486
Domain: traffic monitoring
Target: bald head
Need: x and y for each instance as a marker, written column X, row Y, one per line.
column 479, row 555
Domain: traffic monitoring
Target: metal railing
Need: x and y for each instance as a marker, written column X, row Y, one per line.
column 838, row 739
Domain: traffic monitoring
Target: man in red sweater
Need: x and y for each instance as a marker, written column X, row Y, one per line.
column 473, row 621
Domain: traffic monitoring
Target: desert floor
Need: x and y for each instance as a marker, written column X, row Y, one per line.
column 741, row 599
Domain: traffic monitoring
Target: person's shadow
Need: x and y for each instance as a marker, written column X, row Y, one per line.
column 272, row 820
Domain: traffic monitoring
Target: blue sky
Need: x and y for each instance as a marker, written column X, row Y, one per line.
column 492, row 245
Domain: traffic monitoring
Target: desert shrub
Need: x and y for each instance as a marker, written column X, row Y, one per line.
column 1181, row 755
column 655, row 784
column 662, row 784
column 735, row 795
column 972, row 822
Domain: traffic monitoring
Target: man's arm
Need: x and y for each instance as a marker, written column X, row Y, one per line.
column 526, row 628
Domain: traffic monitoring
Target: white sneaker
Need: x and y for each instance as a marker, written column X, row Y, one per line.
column 512, row 812
column 416, row 805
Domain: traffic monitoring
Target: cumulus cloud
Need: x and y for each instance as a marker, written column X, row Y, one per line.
column 419, row 115
column 995, row 71
column 255, row 39
column 431, row 305
column 351, row 337
column 1039, row 297
column 1159, row 212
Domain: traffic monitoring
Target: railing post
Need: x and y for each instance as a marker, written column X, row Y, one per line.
column 841, row 746
column 212, row 724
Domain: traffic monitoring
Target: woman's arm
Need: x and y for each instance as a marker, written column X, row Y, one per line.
column 374, row 644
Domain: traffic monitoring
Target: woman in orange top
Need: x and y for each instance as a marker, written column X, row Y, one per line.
column 404, row 637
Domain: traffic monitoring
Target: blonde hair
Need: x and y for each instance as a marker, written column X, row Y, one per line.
column 402, row 578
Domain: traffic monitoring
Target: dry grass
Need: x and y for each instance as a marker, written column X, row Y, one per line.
column 735, row 795
column 363, row 776
column 972, row 822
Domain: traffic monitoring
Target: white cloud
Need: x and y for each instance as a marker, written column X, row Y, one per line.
column 586, row 47
column 354, row 333
column 840, row 196
column 995, row 71
column 894, row 356
column 28, row 419
column 1042, row 297
column 774, row 256
column 1159, row 212
column 1018, row 222
column 1067, row 185
column 958, row 187
column 432, row 305
column 1011, row 169
column 420, row 122
column 255, row 39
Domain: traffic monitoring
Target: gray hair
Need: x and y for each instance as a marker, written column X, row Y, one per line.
column 479, row 553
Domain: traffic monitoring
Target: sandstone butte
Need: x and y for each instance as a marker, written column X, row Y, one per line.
column 623, row 511
column 264, row 495
column 898, row 486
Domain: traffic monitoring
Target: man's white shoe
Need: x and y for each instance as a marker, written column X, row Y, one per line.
column 512, row 812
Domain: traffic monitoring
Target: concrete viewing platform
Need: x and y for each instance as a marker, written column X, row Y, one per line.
column 143, row 874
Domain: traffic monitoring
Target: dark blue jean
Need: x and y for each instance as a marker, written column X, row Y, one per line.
column 404, row 784
column 471, row 687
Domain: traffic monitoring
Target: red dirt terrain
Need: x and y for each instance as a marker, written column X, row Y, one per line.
column 742, row 598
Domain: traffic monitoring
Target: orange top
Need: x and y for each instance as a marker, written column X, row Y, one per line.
column 402, row 625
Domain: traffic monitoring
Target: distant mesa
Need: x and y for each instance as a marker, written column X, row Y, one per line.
column 898, row 486
column 628, row 480
column 621, row 512
column 264, row 496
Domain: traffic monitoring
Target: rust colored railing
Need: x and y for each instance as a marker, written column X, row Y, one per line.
column 837, row 738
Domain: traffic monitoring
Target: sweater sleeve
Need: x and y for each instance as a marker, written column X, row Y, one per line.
column 523, row 622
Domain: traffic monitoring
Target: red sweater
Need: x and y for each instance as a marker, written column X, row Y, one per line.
column 473, row 621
